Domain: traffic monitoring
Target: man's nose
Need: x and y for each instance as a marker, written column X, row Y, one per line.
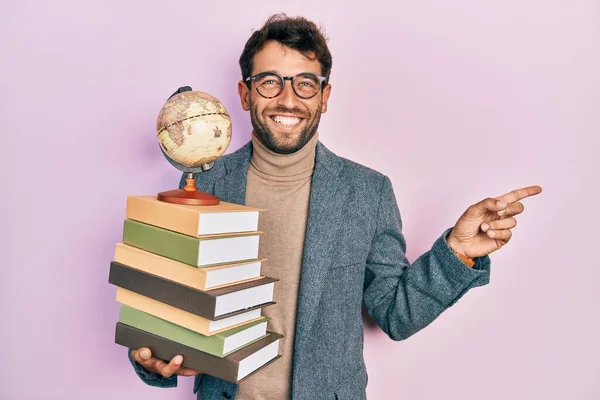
column 287, row 97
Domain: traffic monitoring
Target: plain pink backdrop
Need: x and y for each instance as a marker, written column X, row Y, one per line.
column 455, row 101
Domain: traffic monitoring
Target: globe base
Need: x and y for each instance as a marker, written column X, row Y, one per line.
column 195, row 198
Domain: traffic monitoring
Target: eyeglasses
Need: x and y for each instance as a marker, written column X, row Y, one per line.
column 306, row 85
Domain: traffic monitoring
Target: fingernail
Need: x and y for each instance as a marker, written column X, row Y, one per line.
column 177, row 360
column 501, row 203
column 145, row 354
column 491, row 234
column 485, row 227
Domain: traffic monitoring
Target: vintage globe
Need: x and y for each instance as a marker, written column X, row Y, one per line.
column 193, row 130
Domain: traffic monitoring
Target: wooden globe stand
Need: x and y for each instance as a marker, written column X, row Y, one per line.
column 189, row 195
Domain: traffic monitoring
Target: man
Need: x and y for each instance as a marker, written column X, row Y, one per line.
column 332, row 233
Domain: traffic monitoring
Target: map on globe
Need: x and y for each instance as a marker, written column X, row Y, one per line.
column 193, row 128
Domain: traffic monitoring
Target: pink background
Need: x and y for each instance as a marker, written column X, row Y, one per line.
column 455, row 101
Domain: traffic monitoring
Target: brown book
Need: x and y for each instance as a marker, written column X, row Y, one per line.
column 233, row 368
column 206, row 278
column 183, row 318
column 223, row 218
column 214, row 305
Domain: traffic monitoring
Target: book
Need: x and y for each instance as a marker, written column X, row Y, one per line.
column 220, row 344
column 233, row 368
column 214, row 304
column 193, row 220
column 183, row 318
column 196, row 251
column 204, row 278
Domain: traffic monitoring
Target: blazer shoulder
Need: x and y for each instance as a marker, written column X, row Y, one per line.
column 360, row 170
column 351, row 171
column 366, row 181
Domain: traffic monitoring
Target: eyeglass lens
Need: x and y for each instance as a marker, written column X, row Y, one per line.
column 305, row 85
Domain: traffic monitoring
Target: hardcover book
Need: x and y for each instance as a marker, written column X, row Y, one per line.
column 183, row 318
column 233, row 368
column 214, row 304
column 193, row 220
column 204, row 278
column 220, row 344
column 196, row 251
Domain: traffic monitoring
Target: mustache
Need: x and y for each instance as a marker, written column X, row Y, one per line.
column 285, row 110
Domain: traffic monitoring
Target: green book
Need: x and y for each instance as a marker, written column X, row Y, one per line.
column 220, row 344
column 196, row 251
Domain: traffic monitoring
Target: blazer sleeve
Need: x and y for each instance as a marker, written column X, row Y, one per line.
column 402, row 298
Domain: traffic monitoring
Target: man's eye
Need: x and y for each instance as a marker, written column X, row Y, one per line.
column 308, row 84
column 268, row 81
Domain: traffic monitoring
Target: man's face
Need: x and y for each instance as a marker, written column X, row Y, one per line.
column 284, row 124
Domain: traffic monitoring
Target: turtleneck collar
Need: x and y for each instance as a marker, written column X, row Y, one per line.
column 269, row 164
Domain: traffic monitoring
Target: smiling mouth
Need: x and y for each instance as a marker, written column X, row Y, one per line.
column 286, row 120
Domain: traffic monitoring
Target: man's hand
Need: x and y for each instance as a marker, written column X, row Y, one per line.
column 144, row 357
column 486, row 226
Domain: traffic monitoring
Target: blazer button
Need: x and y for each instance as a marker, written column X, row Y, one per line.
column 226, row 395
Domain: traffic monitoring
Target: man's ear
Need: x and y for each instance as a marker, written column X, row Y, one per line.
column 326, row 93
column 244, row 93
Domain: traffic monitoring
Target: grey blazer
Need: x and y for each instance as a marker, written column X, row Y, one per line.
column 354, row 254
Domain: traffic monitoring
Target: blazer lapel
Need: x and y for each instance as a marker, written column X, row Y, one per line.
column 327, row 193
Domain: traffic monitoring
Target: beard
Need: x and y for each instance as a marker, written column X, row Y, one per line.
column 284, row 143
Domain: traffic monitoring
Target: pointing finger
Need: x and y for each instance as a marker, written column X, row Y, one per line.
column 519, row 194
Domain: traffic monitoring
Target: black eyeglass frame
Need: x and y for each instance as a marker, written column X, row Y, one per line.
column 283, row 79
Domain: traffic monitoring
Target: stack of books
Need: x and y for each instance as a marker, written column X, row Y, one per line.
column 189, row 282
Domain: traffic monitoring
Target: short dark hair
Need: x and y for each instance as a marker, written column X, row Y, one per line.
column 297, row 33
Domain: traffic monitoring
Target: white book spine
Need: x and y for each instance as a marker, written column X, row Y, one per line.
column 223, row 276
column 227, row 222
column 229, row 249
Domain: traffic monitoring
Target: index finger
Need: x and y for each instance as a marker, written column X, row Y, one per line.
column 520, row 194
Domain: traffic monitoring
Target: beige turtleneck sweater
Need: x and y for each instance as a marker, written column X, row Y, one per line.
column 279, row 183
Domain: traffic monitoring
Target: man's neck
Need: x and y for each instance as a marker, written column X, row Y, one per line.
column 275, row 164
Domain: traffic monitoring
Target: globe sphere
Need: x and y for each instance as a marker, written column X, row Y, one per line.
column 193, row 129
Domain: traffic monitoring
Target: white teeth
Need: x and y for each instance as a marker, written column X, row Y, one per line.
column 287, row 121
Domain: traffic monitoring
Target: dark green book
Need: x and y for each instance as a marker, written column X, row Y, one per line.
column 196, row 251
column 220, row 344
